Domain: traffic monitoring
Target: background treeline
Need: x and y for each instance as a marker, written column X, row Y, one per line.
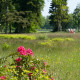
column 24, row 16
column 20, row 15
column 60, row 19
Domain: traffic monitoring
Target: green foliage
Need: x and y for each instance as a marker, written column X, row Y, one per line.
column 5, row 46
column 47, row 25
column 26, row 67
column 33, row 9
column 33, row 26
column 76, row 16
column 42, row 21
column 69, row 39
column 63, row 58
column 42, row 37
column 24, row 16
column 55, row 41
column 59, row 14
column 18, row 36
column 5, row 7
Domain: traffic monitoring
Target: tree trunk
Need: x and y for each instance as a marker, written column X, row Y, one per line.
column 10, row 29
column 59, row 26
column 6, row 29
column 78, row 28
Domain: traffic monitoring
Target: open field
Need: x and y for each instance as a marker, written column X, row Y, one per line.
column 62, row 54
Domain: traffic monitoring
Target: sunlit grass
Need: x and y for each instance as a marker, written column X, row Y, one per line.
column 15, row 36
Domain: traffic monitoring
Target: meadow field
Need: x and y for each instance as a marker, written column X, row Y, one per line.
column 60, row 50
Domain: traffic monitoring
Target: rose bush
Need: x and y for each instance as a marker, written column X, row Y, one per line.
column 26, row 67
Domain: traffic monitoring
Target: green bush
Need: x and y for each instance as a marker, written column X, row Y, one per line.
column 25, row 67
column 5, row 46
column 42, row 37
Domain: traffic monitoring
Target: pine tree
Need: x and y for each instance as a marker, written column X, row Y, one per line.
column 76, row 16
column 31, row 12
column 59, row 14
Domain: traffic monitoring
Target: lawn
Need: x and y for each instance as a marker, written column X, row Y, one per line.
column 63, row 56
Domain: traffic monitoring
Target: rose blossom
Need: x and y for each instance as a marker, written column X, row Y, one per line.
column 2, row 78
column 23, row 53
column 29, row 51
column 21, row 48
column 18, row 59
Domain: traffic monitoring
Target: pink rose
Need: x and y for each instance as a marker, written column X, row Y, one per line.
column 21, row 48
column 23, row 53
column 29, row 51
column 2, row 78
column 18, row 59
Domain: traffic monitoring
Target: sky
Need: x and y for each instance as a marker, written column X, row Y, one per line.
column 70, row 3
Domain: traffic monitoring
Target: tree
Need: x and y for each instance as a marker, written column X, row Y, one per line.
column 2, row 13
column 59, row 14
column 31, row 10
column 42, row 21
column 46, row 23
column 23, row 15
column 76, row 16
column 5, row 7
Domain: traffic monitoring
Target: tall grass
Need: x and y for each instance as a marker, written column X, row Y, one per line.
column 63, row 57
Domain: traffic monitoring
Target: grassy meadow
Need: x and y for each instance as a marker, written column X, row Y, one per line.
column 60, row 50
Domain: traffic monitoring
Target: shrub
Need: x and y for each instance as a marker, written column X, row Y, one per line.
column 14, row 36
column 69, row 39
column 42, row 37
column 25, row 67
column 5, row 46
column 53, row 41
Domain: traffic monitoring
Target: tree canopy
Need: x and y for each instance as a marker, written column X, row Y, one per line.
column 59, row 14
column 76, row 16
column 23, row 15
